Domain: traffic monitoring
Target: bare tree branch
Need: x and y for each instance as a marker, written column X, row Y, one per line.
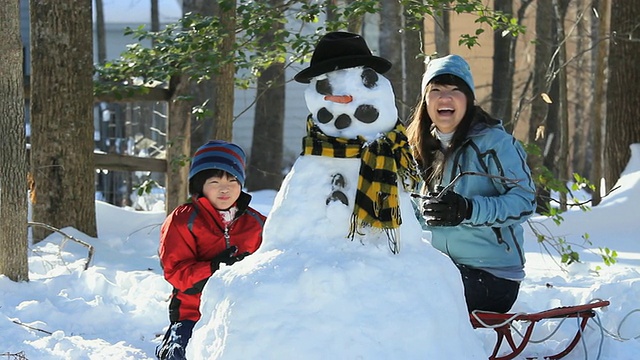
column 69, row 237
column 31, row 327
column 461, row 174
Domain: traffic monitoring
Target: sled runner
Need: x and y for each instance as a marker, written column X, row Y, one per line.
column 501, row 323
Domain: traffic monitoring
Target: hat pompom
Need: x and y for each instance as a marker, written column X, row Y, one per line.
column 221, row 155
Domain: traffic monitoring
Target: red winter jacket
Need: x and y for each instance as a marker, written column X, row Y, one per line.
column 191, row 236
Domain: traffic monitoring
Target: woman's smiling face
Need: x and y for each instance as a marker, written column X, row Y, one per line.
column 446, row 106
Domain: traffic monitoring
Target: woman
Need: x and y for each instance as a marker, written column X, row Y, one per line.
column 477, row 187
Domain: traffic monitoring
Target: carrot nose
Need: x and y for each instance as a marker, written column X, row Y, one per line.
column 341, row 99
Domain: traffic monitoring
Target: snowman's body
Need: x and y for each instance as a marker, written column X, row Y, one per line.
column 310, row 292
column 327, row 218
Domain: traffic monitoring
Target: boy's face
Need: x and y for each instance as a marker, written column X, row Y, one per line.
column 222, row 192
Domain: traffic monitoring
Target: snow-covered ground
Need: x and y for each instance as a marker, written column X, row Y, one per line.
column 117, row 309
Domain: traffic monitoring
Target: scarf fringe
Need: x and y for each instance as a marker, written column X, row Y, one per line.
column 393, row 234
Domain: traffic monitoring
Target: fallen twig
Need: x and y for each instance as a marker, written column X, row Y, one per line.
column 17, row 356
column 31, row 327
column 67, row 236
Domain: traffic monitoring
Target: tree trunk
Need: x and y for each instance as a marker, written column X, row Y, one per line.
column 202, row 127
column 623, row 90
column 100, row 34
column 442, row 31
column 155, row 16
column 561, row 160
column 265, row 165
column 203, row 91
column 62, row 115
column 582, row 99
column 226, row 79
column 504, row 65
column 414, row 63
column 355, row 22
column 503, row 70
column 391, row 45
column 541, row 84
column 599, row 95
column 13, row 168
column 178, row 142
column 329, row 12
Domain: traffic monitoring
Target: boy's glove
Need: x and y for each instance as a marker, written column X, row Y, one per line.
column 234, row 259
column 227, row 256
column 448, row 210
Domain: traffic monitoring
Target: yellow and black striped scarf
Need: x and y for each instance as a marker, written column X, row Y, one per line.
column 382, row 160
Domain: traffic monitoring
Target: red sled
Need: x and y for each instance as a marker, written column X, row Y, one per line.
column 501, row 323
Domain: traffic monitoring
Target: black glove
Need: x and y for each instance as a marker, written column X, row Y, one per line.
column 447, row 210
column 226, row 257
column 236, row 258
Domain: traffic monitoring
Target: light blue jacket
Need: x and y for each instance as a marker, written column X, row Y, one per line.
column 492, row 238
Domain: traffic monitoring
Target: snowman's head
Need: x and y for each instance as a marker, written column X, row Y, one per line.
column 347, row 95
column 352, row 102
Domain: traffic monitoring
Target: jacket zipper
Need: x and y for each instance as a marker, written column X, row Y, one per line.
column 227, row 227
column 499, row 238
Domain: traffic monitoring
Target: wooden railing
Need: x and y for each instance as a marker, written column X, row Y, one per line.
column 117, row 162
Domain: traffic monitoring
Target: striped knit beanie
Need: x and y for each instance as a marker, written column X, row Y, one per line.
column 221, row 155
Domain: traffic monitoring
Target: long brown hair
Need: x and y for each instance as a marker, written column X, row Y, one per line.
column 421, row 130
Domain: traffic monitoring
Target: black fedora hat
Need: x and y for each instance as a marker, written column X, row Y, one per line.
column 341, row 50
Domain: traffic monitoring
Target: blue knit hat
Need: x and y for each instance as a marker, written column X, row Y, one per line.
column 450, row 64
column 221, row 155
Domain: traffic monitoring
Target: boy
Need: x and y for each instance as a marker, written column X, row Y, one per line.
column 215, row 227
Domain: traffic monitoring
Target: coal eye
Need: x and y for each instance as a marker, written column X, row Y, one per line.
column 369, row 78
column 323, row 87
column 366, row 113
column 324, row 116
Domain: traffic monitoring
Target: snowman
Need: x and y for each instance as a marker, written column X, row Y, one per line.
column 355, row 138
column 331, row 279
